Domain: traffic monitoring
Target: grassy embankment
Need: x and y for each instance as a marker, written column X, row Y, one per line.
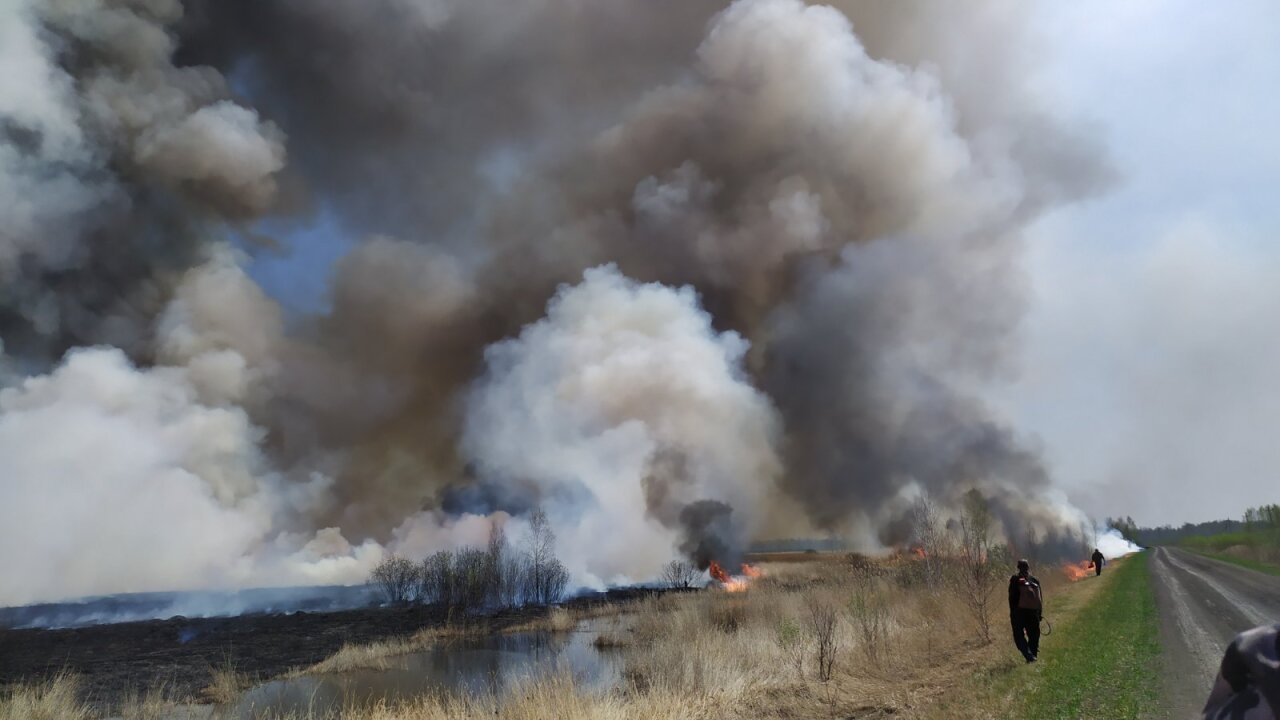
column 1099, row 662
column 1257, row 550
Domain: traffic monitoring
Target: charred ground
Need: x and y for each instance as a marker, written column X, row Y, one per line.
column 182, row 653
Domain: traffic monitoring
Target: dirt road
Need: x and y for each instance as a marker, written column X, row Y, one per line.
column 1203, row 603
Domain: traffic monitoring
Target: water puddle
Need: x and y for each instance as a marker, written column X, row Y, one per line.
column 477, row 666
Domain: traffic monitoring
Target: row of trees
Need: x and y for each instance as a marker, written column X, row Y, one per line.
column 1263, row 517
column 495, row 576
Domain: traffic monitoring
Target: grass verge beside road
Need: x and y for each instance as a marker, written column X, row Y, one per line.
column 1099, row 662
column 1105, row 659
column 1261, row 567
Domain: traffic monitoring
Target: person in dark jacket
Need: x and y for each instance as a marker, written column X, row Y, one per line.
column 1098, row 561
column 1026, row 607
column 1248, row 683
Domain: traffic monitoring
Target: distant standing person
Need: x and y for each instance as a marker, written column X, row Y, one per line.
column 1026, row 607
column 1098, row 561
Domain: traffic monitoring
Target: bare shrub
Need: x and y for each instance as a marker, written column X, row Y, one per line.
column 822, row 619
column 869, row 612
column 680, row 574
column 396, row 578
column 932, row 538
column 980, row 561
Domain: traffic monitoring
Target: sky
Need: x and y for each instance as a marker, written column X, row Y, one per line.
column 1149, row 358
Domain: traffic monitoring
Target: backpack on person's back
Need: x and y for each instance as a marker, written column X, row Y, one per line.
column 1029, row 597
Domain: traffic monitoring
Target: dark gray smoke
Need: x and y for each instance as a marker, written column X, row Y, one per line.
column 813, row 215
column 709, row 534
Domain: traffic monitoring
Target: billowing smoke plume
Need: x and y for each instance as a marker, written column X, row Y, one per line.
column 626, row 413
column 113, row 162
column 683, row 273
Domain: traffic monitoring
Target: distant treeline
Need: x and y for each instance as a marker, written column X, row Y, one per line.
column 1258, row 527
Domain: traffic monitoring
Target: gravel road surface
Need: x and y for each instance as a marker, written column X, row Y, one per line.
column 1203, row 604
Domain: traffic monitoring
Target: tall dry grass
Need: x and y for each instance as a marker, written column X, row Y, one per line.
column 225, row 683
column 57, row 699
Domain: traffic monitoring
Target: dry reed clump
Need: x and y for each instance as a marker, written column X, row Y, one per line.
column 153, row 703
column 225, row 684
column 373, row 656
column 381, row 655
column 561, row 620
column 57, row 699
column 556, row 697
column 682, row 650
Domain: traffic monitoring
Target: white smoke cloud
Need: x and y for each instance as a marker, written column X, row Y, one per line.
column 584, row 403
column 42, row 183
column 1113, row 545
column 119, row 479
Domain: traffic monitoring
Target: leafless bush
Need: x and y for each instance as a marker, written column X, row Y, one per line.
column 932, row 538
column 869, row 613
column 397, row 578
column 822, row 618
column 680, row 574
column 980, row 561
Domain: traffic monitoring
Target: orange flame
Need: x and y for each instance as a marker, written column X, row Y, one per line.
column 731, row 583
column 920, row 553
column 1076, row 571
column 717, row 573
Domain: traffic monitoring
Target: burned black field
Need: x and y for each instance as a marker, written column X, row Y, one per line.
column 182, row 653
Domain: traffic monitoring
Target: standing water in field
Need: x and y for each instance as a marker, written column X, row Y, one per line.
column 485, row 666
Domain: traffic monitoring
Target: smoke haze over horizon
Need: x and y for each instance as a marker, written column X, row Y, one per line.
column 683, row 273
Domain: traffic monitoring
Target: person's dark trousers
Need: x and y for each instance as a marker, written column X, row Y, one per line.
column 1026, row 632
column 1097, row 568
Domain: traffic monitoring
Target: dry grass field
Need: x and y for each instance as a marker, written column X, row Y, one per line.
column 825, row 636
